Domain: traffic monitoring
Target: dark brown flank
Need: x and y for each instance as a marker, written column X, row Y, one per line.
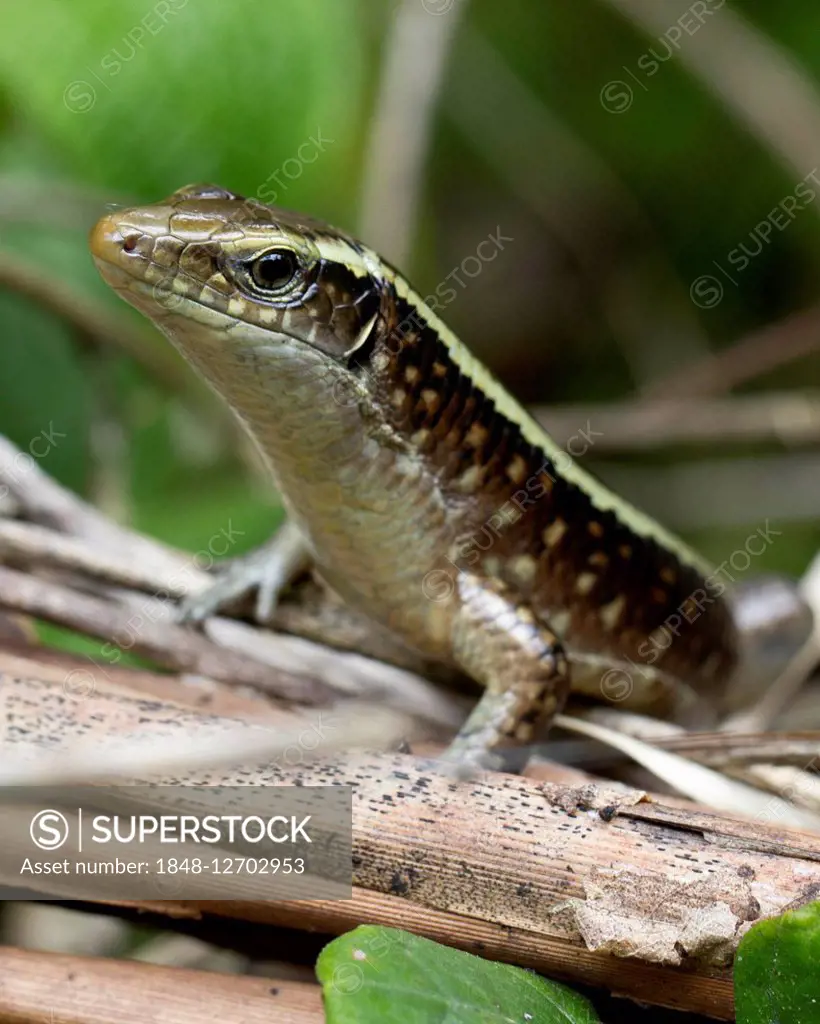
column 517, row 506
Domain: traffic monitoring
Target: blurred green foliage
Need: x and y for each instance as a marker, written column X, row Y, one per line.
column 103, row 102
column 130, row 101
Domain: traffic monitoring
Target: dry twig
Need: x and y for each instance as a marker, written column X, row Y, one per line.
column 528, row 870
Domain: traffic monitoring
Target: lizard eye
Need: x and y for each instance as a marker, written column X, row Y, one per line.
column 274, row 270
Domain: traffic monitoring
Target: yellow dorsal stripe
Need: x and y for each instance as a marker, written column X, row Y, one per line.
column 368, row 262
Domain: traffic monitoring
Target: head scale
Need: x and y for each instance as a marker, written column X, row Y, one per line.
column 277, row 270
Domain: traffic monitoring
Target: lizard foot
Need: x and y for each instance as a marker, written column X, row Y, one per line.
column 267, row 570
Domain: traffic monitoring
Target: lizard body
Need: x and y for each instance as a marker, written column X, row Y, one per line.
column 427, row 497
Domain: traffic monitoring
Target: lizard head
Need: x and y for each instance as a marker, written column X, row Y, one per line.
column 242, row 288
column 270, row 268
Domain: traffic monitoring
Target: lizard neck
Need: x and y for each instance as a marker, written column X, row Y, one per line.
column 361, row 495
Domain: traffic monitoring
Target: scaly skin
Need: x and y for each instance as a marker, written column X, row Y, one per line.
column 425, row 495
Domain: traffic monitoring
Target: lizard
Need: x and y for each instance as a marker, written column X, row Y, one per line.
column 419, row 488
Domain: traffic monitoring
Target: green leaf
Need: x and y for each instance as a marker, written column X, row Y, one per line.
column 777, row 970
column 387, row 976
column 147, row 95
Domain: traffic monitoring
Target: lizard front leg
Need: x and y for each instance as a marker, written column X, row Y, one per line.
column 500, row 642
column 267, row 570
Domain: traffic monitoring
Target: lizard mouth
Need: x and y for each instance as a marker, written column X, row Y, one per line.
column 125, row 258
column 123, row 254
column 124, row 251
column 119, row 237
column 106, row 238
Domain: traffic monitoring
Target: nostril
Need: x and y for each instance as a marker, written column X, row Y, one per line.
column 130, row 243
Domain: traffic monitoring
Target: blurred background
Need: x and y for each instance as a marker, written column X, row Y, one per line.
column 643, row 175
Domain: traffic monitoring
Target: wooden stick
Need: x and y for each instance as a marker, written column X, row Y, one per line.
column 647, row 424
column 230, row 652
column 47, row 988
column 83, row 541
column 165, row 643
column 595, row 885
